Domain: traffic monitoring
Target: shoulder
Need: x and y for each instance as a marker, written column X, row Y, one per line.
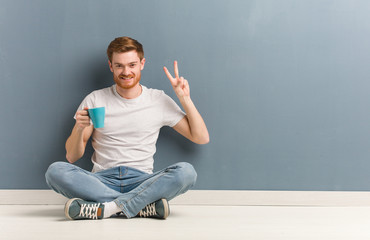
column 104, row 92
column 153, row 94
column 161, row 99
column 98, row 98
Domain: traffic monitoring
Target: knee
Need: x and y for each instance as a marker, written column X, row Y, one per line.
column 186, row 174
column 55, row 172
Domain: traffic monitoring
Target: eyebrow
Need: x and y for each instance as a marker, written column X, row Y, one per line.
column 127, row 64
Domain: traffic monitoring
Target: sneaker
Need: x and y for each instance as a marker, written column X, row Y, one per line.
column 77, row 208
column 158, row 209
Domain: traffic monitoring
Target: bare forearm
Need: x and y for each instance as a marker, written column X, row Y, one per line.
column 194, row 127
column 81, row 132
column 198, row 128
column 75, row 146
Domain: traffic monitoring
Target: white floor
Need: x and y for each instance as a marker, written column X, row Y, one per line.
column 192, row 222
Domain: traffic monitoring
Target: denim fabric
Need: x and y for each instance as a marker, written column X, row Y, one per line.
column 128, row 187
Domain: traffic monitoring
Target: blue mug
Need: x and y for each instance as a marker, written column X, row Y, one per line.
column 97, row 116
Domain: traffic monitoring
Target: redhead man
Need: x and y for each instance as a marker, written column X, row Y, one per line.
column 122, row 179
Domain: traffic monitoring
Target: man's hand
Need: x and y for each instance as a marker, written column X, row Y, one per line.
column 192, row 125
column 179, row 84
column 81, row 132
column 82, row 119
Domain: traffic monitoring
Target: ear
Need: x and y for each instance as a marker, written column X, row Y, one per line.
column 142, row 63
column 110, row 66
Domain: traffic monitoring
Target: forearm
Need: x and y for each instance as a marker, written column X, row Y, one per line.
column 198, row 128
column 75, row 145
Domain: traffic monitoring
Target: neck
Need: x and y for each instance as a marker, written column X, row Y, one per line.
column 130, row 93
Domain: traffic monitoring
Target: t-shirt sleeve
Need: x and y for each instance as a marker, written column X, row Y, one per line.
column 172, row 113
column 87, row 102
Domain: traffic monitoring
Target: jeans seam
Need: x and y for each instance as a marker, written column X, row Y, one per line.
column 155, row 180
column 140, row 180
column 122, row 206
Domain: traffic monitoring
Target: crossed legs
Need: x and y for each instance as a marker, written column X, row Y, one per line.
column 130, row 189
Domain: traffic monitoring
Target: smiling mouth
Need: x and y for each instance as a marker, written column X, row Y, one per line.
column 126, row 78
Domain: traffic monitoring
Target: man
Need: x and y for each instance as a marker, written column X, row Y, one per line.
column 122, row 180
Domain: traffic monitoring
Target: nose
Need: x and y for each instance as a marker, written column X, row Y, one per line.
column 126, row 71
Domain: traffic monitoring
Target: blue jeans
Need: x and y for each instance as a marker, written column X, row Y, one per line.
column 128, row 187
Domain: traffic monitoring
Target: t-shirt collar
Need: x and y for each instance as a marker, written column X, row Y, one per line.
column 133, row 100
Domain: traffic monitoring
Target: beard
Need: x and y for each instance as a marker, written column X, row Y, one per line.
column 127, row 83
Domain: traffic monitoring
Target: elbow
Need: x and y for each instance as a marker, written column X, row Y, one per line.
column 202, row 141
column 205, row 141
column 70, row 159
column 72, row 155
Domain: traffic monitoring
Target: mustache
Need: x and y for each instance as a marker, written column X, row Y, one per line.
column 126, row 76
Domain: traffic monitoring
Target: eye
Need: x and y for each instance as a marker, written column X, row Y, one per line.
column 132, row 65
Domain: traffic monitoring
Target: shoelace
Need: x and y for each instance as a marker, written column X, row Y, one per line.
column 89, row 210
column 148, row 211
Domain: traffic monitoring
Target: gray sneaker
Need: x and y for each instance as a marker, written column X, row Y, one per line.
column 77, row 208
column 157, row 209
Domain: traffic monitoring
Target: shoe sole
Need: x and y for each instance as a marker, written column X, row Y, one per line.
column 166, row 208
column 66, row 208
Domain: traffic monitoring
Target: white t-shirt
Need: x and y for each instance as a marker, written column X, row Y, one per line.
column 131, row 127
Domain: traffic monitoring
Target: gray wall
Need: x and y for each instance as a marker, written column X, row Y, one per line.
column 283, row 85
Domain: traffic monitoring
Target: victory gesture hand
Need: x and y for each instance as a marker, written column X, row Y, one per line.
column 179, row 84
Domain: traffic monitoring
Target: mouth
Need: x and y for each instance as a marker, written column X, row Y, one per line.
column 126, row 78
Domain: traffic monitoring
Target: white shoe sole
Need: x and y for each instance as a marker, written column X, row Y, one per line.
column 166, row 208
column 66, row 207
